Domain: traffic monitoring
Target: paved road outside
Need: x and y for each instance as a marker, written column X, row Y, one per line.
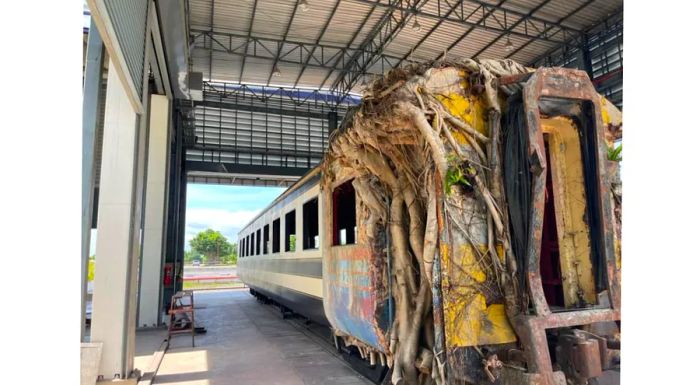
column 193, row 271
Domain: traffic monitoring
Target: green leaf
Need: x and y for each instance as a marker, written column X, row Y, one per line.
column 615, row 153
column 454, row 176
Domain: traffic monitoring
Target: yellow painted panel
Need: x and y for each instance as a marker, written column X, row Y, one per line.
column 469, row 320
column 469, row 108
column 570, row 205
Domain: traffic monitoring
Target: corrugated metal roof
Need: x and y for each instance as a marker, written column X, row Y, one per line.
column 271, row 19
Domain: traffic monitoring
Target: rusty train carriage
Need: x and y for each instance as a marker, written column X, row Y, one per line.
column 554, row 131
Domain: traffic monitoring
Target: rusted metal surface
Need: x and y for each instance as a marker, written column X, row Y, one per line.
column 513, row 79
column 579, row 357
column 491, row 365
column 568, row 85
column 512, row 376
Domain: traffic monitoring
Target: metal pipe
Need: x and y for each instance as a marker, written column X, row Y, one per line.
column 388, row 264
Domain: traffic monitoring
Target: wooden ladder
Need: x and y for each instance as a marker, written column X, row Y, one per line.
column 181, row 314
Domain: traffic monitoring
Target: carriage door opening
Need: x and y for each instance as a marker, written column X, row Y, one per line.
column 549, row 255
column 344, row 221
column 566, row 259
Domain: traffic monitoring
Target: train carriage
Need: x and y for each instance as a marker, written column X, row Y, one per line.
column 280, row 254
column 463, row 229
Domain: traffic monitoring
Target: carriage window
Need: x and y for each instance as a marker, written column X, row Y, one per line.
column 344, row 223
column 252, row 243
column 290, row 232
column 311, row 240
column 276, row 236
column 247, row 245
column 266, row 239
column 258, row 240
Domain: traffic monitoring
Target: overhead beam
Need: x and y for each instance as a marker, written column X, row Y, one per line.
column 352, row 39
column 232, row 168
column 561, row 20
column 299, row 97
column 316, row 55
column 371, row 49
column 572, row 43
column 241, row 180
column 510, row 28
column 496, row 22
column 223, row 148
column 467, row 32
column 260, row 109
column 318, row 40
column 250, row 31
column 427, row 35
column 284, row 37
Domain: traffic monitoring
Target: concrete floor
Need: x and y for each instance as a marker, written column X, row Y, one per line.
column 147, row 342
column 248, row 343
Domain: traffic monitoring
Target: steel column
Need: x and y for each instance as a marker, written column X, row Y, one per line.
column 585, row 56
column 91, row 95
column 177, row 157
column 179, row 262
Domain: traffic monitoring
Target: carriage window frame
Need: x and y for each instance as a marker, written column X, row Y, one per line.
column 310, row 223
column 276, row 235
column 344, row 200
column 288, row 234
column 266, row 239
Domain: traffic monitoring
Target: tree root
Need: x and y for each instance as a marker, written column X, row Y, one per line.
column 396, row 146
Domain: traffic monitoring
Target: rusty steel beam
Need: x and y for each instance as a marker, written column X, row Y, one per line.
column 566, row 84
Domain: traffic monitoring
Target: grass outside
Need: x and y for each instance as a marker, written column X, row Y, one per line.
column 203, row 285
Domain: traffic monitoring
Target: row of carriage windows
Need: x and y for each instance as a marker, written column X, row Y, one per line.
column 344, row 227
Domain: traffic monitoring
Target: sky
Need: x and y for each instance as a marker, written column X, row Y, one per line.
column 224, row 208
column 219, row 207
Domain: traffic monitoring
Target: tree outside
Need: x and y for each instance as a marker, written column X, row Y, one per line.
column 212, row 247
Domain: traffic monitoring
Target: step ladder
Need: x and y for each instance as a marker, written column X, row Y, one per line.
column 181, row 315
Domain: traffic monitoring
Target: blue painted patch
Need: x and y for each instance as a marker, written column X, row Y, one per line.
column 352, row 297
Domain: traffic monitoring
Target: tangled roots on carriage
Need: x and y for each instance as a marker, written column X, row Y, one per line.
column 413, row 160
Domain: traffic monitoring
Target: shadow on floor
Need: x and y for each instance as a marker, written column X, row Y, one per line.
column 248, row 343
